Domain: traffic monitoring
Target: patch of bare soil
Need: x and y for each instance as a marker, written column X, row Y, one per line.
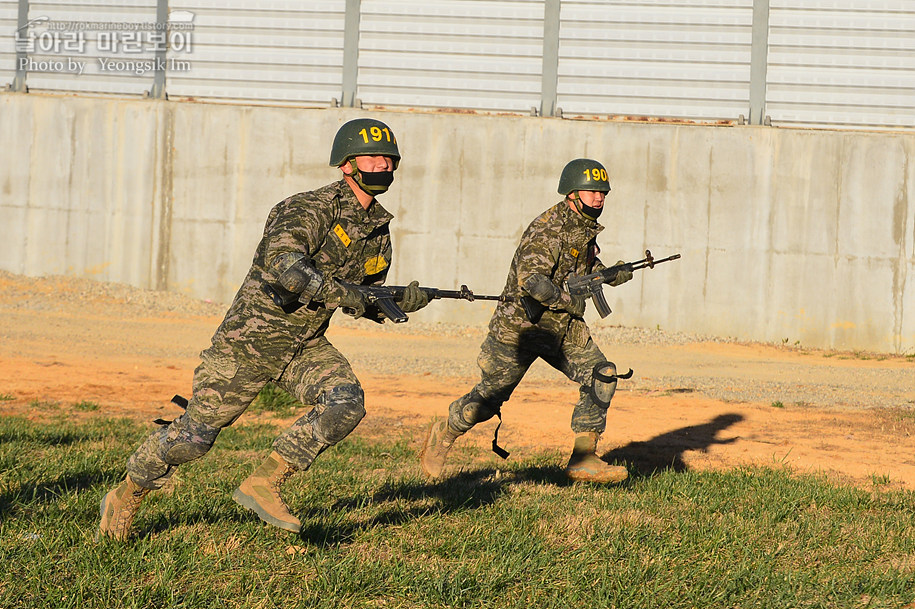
column 691, row 404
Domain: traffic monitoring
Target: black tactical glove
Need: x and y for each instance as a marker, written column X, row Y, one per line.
column 336, row 295
column 413, row 298
column 621, row 277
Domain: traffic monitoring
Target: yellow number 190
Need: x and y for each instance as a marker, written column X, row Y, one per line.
column 598, row 175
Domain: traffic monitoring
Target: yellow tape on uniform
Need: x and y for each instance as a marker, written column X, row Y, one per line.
column 338, row 230
column 375, row 265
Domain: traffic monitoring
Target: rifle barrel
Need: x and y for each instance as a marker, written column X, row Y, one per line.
column 485, row 297
column 460, row 294
column 674, row 257
column 641, row 264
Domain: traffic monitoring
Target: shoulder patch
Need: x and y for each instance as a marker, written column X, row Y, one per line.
column 574, row 252
column 338, row 230
column 375, row 265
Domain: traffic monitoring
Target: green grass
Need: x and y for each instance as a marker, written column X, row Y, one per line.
column 376, row 534
column 86, row 406
column 275, row 400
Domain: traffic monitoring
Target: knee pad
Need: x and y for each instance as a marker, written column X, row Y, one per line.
column 344, row 407
column 185, row 439
column 603, row 383
column 471, row 409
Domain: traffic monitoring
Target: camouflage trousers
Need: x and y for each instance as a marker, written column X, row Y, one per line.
column 226, row 383
column 503, row 366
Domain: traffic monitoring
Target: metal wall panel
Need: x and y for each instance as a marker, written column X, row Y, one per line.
column 830, row 62
column 842, row 63
column 9, row 12
column 127, row 68
column 278, row 50
column 672, row 59
column 477, row 54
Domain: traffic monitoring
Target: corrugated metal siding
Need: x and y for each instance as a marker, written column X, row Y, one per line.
column 478, row 54
column 94, row 78
column 673, row 59
column 279, row 50
column 830, row 62
column 9, row 12
column 842, row 63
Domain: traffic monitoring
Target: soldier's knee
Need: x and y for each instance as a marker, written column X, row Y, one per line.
column 471, row 409
column 186, row 439
column 603, row 383
column 344, row 408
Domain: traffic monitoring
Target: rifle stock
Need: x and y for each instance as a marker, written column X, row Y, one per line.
column 283, row 298
column 533, row 308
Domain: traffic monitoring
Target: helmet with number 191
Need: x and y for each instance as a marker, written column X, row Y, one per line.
column 583, row 174
column 363, row 137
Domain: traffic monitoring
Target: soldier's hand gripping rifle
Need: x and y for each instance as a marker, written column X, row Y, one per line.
column 385, row 297
column 592, row 285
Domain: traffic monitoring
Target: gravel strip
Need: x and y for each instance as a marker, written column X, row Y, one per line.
column 61, row 293
column 787, row 382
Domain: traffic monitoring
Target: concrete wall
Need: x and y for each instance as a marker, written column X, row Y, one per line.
column 785, row 234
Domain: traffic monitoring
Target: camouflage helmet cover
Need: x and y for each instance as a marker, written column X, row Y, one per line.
column 583, row 174
column 363, row 137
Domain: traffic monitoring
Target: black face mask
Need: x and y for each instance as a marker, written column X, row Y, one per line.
column 375, row 182
column 591, row 212
column 377, row 178
column 372, row 182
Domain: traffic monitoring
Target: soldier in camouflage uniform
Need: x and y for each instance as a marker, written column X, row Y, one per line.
column 560, row 242
column 312, row 242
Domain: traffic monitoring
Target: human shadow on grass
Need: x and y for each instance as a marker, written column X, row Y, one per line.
column 34, row 493
column 474, row 489
column 51, row 437
column 167, row 519
column 466, row 490
column 665, row 452
column 331, row 525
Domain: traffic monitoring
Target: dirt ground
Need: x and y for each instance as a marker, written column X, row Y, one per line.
column 691, row 404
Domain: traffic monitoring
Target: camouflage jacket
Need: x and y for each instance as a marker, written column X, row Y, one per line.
column 344, row 241
column 558, row 243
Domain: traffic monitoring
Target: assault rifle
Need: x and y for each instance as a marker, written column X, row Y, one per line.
column 592, row 285
column 384, row 297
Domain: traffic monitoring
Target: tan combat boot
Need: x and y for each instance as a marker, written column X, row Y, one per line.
column 439, row 441
column 118, row 508
column 585, row 466
column 260, row 493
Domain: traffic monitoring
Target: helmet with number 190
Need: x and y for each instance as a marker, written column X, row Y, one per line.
column 363, row 137
column 583, row 174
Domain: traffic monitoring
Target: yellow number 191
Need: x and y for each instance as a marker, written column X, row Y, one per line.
column 376, row 134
